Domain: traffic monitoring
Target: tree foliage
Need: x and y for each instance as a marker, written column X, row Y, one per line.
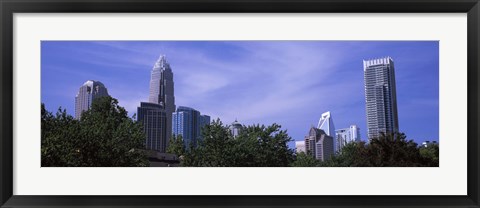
column 176, row 145
column 430, row 154
column 255, row 146
column 104, row 137
column 388, row 150
column 304, row 160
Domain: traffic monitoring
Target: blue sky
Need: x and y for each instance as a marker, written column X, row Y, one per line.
column 286, row 82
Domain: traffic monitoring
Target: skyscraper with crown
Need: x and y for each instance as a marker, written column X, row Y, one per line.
column 161, row 91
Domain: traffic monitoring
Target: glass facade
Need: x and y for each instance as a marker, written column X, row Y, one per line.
column 188, row 122
column 380, row 96
column 153, row 118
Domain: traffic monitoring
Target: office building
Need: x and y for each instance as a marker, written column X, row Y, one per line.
column 326, row 124
column 89, row 91
column 347, row 135
column 188, row 123
column 319, row 144
column 204, row 120
column 380, row 96
column 161, row 90
column 153, row 118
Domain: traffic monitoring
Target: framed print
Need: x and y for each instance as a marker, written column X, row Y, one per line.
column 234, row 103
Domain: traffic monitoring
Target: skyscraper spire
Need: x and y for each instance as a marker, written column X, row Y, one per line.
column 162, row 90
column 326, row 124
column 161, row 62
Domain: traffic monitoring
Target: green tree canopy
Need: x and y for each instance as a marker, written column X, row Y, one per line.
column 304, row 160
column 255, row 146
column 430, row 155
column 176, row 145
column 388, row 150
column 104, row 137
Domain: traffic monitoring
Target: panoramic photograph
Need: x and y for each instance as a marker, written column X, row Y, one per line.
column 262, row 103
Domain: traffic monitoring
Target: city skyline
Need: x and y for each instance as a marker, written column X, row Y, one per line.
column 264, row 107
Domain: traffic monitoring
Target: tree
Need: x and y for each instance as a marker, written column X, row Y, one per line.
column 57, row 132
column 393, row 150
column 104, row 137
column 255, row 146
column 176, row 146
column 271, row 148
column 430, row 155
column 214, row 150
column 349, row 156
column 388, row 150
column 304, row 160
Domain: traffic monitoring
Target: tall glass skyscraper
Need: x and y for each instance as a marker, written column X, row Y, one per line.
column 161, row 90
column 380, row 96
column 90, row 90
column 153, row 118
column 188, row 122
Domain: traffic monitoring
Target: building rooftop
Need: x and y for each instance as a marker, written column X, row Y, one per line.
column 90, row 83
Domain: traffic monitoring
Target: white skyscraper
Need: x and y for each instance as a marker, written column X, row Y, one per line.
column 347, row 135
column 161, row 91
column 89, row 91
column 326, row 124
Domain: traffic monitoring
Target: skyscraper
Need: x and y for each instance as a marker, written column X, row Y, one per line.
column 347, row 135
column 319, row 144
column 380, row 96
column 188, row 122
column 326, row 124
column 204, row 120
column 90, row 90
column 161, row 90
column 153, row 118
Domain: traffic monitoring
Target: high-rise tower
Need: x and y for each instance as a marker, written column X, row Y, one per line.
column 90, row 90
column 188, row 122
column 380, row 96
column 161, row 91
column 319, row 144
column 326, row 124
column 347, row 135
column 153, row 118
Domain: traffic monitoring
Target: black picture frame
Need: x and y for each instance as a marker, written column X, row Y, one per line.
column 10, row 7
